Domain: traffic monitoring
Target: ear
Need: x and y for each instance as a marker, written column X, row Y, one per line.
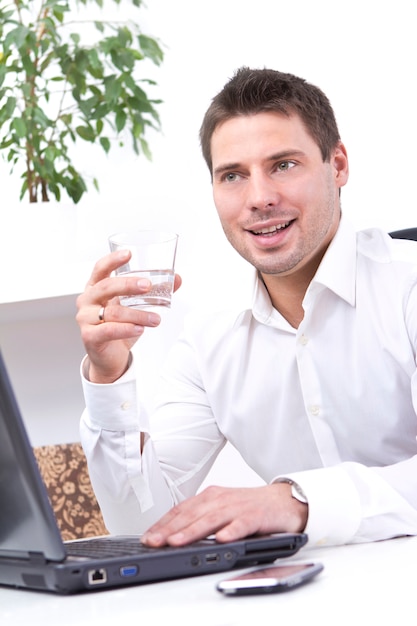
column 340, row 163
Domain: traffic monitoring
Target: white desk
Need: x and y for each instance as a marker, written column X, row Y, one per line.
column 365, row 584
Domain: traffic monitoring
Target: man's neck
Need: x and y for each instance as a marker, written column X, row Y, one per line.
column 287, row 291
column 287, row 296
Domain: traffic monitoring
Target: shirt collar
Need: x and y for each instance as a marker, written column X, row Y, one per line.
column 337, row 272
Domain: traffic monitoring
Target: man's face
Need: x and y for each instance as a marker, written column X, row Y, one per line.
column 277, row 201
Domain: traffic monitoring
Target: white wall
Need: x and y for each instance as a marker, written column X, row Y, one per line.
column 361, row 53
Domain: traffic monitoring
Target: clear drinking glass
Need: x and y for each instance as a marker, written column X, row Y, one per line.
column 153, row 257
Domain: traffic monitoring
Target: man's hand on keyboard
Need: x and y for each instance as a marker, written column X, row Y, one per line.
column 230, row 514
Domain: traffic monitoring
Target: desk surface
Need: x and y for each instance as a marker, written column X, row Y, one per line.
column 374, row 583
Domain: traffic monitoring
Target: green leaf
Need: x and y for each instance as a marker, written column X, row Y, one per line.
column 66, row 118
column 151, row 49
column 145, row 149
column 124, row 37
column 10, row 106
column 121, row 118
column 102, row 111
column 87, row 106
column 105, row 144
column 112, row 88
column 40, row 118
column 75, row 188
column 86, row 132
column 51, row 153
column 59, row 16
column 99, row 26
column 5, row 144
column 122, row 59
column 55, row 189
column 15, row 38
column 137, row 128
column 23, row 189
column 19, row 126
column 6, row 15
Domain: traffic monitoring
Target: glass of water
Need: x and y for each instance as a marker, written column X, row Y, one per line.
column 153, row 257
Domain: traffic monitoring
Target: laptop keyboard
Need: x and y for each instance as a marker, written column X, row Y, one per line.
column 106, row 547
column 102, row 547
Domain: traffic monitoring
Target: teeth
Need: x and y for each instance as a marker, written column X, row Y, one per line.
column 271, row 229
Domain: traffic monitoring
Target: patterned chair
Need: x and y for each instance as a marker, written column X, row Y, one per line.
column 64, row 471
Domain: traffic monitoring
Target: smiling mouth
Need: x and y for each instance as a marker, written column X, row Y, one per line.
column 272, row 229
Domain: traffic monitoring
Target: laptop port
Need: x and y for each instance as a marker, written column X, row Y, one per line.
column 128, row 570
column 214, row 557
column 97, row 576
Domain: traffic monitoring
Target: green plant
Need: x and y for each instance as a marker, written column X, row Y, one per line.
column 66, row 76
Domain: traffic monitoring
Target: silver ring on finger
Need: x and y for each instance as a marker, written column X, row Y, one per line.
column 101, row 314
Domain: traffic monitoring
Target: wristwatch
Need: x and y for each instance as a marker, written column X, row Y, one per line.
column 296, row 490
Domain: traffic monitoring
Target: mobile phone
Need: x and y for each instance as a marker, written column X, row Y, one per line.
column 270, row 579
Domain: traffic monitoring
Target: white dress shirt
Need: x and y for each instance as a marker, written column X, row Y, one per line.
column 331, row 404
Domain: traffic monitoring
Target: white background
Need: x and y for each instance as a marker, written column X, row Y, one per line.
column 361, row 53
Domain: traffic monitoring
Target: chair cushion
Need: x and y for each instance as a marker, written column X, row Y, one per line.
column 64, row 471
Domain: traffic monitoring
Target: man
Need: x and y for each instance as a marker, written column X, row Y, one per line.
column 314, row 385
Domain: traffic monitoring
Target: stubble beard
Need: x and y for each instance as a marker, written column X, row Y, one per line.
column 278, row 262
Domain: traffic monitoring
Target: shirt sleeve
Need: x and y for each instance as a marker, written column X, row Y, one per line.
column 110, row 431
column 134, row 490
column 351, row 503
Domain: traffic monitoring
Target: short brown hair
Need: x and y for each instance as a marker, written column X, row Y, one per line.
column 252, row 91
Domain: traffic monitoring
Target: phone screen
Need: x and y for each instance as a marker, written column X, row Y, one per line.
column 270, row 579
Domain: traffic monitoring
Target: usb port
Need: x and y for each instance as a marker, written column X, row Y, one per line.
column 214, row 557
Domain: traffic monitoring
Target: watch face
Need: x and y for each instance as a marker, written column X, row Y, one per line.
column 296, row 490
column 298, row 493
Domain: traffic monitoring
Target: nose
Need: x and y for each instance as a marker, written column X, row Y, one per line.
column 262, row 192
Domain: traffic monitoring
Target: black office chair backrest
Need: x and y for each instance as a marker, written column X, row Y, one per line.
column 405, row 233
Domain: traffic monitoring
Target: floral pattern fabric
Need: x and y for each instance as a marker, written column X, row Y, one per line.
column 64, row 471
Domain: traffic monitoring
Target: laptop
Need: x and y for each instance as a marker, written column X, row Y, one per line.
column 34, row 556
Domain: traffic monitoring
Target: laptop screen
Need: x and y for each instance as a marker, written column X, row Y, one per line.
column 27, row 522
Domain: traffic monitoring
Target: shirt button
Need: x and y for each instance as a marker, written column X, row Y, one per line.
column 303, row 340
column 314, row 409
column 125, row 406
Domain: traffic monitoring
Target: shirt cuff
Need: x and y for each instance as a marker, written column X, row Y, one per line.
column 112, row 406
column 334, row 509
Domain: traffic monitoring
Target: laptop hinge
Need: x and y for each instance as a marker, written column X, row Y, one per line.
column 37, row 558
